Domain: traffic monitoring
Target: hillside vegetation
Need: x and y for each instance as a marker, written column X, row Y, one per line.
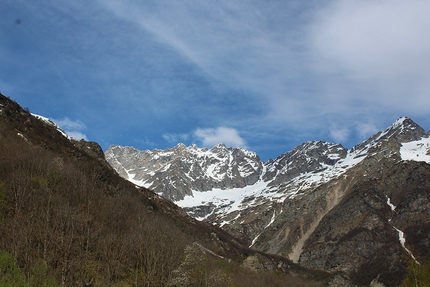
column 67, row 219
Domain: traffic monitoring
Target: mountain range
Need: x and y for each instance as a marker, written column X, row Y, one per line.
column 363, row 210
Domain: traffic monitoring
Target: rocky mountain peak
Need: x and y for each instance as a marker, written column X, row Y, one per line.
column 219, row 146
column 179, row 146
column 307, row 157
column 401, row 131
column 178, row 171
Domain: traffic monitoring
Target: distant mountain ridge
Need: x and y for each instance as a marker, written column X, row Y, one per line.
column 176, row 172
column 314, row 205
column 192, row 168
column 221, row 176
column 179, row 171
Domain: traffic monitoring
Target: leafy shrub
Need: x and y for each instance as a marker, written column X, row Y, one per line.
column 418, row 275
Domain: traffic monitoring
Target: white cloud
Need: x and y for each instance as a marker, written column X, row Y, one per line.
column 345, row 60
column 76, row 135
column 375, row 53
column 72, row 128
column 339, row 135
column 145, row 141
column 213, row 136
column 68, row 124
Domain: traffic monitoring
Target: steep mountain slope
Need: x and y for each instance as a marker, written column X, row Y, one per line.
column 66, row 214
column 374, row 219
column 324, row 206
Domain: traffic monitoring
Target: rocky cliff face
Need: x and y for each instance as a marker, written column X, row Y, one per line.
column 175, row 173
column 308, row 157
column 363, row 211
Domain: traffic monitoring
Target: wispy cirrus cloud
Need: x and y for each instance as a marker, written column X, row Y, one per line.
column 250, row 46
column 339, row 59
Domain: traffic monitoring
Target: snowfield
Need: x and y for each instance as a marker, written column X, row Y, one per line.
column 416, row 150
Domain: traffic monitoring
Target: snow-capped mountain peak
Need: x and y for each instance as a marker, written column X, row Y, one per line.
column 402, row 130
column 179, row 171
column 307, row 157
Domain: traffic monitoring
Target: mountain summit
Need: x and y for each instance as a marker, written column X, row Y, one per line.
column 177, row 172
column 401, row 131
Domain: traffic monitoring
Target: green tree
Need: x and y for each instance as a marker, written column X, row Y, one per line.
column 10, row 274
column 198, row 270
column 41, row 276
column 418, row 275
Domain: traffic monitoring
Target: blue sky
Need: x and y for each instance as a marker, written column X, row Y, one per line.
column 265, row 75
